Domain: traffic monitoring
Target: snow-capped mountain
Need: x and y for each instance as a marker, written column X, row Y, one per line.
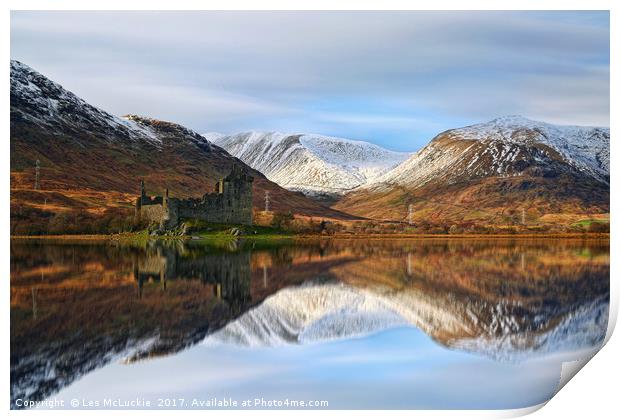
column 507, row 160
column 310, row 163
column 584, row 147
column 317, row 313
column 505, row 147
column 40, row 101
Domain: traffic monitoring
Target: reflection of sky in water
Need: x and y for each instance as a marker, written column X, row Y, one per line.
column 398, row 368
column 360, row 325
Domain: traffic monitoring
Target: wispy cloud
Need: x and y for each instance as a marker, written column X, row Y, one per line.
column 398, row 76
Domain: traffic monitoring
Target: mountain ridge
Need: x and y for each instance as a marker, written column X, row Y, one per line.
column 507, row 164
column 311, row 163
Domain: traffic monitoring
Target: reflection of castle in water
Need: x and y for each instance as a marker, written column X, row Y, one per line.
column 501, row 299
column 228, row 274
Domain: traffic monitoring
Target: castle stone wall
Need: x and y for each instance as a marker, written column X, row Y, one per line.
column 232, row 203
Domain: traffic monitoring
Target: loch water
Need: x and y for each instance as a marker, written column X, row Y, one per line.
column 463, row 323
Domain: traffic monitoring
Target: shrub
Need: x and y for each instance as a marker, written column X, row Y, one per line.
column 282, row 220
column 598, row 227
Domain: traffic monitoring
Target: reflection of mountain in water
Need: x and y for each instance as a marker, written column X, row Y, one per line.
column 76, row 307
column 315, row 313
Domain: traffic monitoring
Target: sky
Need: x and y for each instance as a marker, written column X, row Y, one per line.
column 396, row 79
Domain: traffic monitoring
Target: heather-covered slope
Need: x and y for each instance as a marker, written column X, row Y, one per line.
column 91, row 162
column 493, row 172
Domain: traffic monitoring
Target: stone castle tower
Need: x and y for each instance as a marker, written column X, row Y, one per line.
column 231, row 203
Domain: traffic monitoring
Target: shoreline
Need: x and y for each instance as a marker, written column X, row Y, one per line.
column 336, row 236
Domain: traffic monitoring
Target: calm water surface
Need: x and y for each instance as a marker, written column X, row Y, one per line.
column 441, row 323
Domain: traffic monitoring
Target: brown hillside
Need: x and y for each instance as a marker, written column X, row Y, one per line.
column 91, row 162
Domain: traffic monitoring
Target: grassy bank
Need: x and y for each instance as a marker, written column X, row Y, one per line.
column 144, row 236
column 220, row 232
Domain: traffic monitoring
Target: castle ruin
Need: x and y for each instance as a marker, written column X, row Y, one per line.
column 231, row 203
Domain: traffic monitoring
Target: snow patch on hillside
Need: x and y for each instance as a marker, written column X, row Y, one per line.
column 585, row 147
column 584, row 328
column 503, row 147
column 356, row 156
column 310, row 163
column 53, row 107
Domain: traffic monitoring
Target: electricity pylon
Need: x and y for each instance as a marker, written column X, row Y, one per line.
column 37, row 169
